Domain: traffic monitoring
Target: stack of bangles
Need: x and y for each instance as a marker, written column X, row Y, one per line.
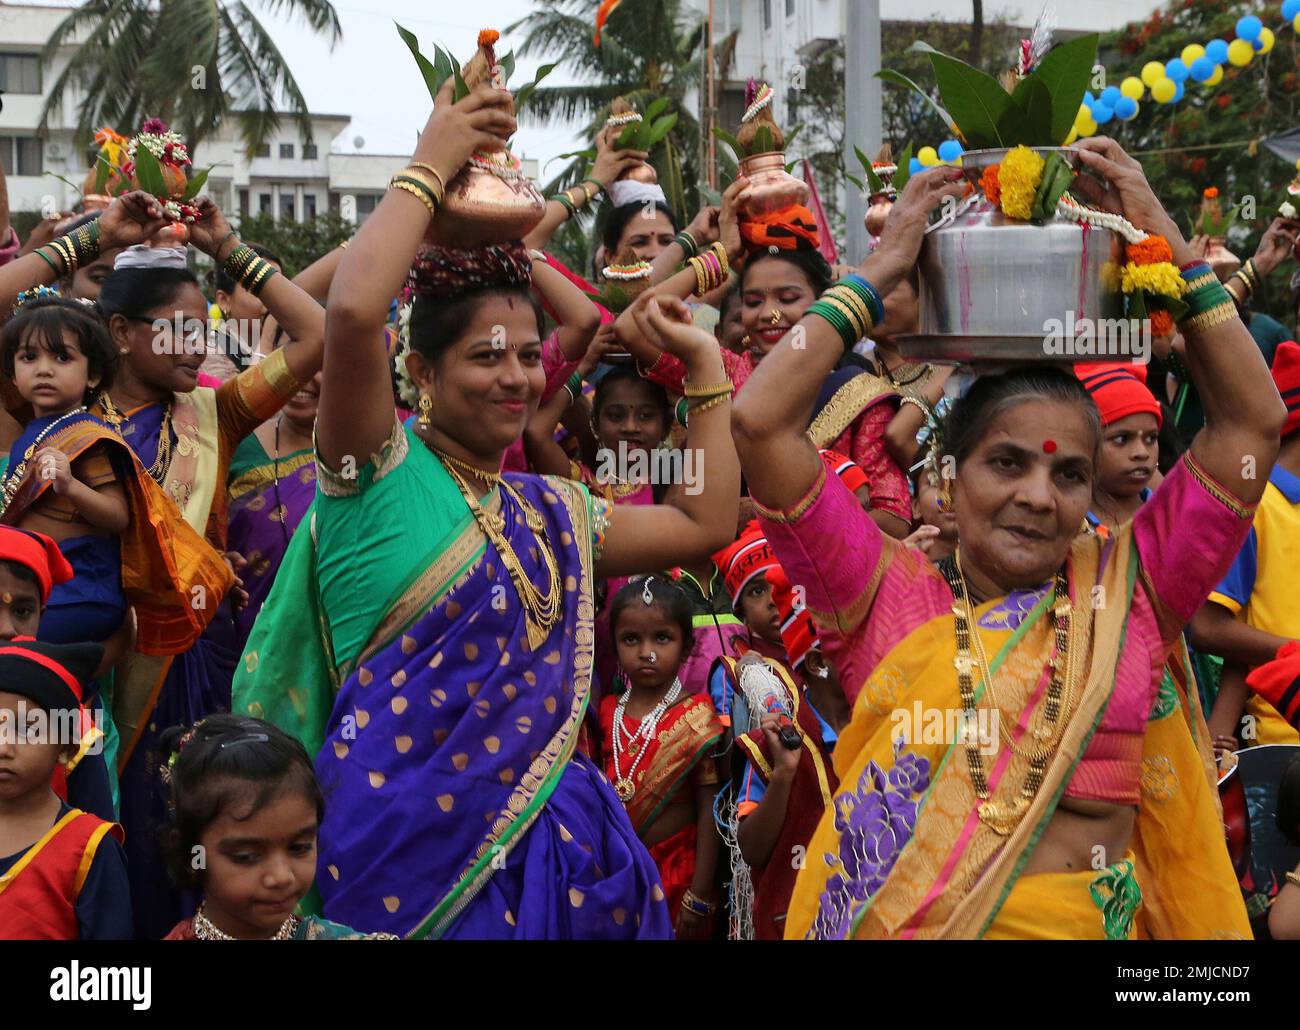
column 711, row 269
column 246, row 268
column 427, row 189
column 581, row 195
column 852, row 306
column 574, row 386
column 707, row 397
column 692, row 902
column 1208, row 303
column 1249, row 278
column 687, row 242
column 79, row 247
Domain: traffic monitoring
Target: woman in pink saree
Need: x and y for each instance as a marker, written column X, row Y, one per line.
column 1013, row 767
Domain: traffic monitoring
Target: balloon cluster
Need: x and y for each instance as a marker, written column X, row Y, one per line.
column 949, row 153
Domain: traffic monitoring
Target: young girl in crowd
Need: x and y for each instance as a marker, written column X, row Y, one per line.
column 62, row 870
column 1130, row 445
column 244, row 798
column 659, row 742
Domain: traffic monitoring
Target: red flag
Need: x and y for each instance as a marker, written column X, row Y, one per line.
column 827, row 246
column 602, row 15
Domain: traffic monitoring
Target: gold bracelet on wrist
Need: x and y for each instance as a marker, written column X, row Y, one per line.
column 1239, row 298
column 699, row 409
column 1293, row 878
column 417, row 193
column 1208, row 319
column 707, row 389
column 442, row 183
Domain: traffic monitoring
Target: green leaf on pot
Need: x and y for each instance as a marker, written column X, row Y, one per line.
column 904, row 168
column 628, row 136
column 1065, row 72
column 525, row 92
column 730, row 141
column 790, row 136
column 976, row 101
column 656, row 109
column 443, row 65
column 1034, row 101
column 196, row 183
column 710, row 196
column 862, row 158
column 427, row 70
column 507, row 65
column 661, row 128
column 461, row 91
column 763, row 140
column 76, row 187
column 1137, row 304
column 103, row 170
column 1056, row 179
column 855, row 180
column 148, row 173
column 898, row 79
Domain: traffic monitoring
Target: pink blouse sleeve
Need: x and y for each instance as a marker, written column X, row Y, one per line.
column 886, row 481
column 557, row 367
column 1187, row 536
column 670, row 373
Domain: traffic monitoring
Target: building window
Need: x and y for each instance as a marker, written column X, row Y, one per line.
column 263, row 151
column 20, row 73
column 308, row 206
column 286, row 207
column 286, row 150
column 334, row 202
column 789, row 8
column 365, row 205
column 243, row 203
column 22, row 155
column 264, row 203
column 309, row 151
column 767, row 15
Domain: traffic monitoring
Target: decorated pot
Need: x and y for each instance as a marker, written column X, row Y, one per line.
column 771, row 186
column 93, row 201
column 994, row 289
column 490, row 200
column 644, row 172
column 878, row 213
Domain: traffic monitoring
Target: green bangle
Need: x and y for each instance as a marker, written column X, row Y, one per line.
column 40, row 253
column 592, row 178
column 687, row 242
column 837, row 319
column 563, row 198
column 1206, row 298
column 574, row 384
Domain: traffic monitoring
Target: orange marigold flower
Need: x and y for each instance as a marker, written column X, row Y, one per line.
column 1151, row 251
column 990, row 185
column 488, row 36
column 1210, row 192
column 1162, row 323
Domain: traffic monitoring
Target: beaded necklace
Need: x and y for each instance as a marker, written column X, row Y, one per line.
column 206, row 930
column 15, row 478
column 625, row 786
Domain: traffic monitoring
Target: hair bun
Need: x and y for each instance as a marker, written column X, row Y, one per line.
column 440, row 271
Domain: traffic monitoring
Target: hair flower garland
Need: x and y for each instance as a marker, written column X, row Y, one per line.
column 406, row 388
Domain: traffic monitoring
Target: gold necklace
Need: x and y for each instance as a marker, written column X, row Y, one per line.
column 206, row 930
column 16, row 476
column 1004, row 817
column 922, row 373
column 162, row 460
column 541, row 612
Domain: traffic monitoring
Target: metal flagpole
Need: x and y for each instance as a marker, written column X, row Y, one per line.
column 862, row 122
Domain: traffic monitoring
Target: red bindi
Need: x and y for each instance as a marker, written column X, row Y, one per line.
column 1049, row 446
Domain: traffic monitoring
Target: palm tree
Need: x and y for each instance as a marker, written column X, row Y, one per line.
column 648, row 49
column 192, row 63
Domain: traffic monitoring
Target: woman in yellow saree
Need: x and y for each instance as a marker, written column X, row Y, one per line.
column 1014, row 766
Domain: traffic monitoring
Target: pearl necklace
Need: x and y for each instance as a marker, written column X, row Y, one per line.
column 624, row 786
column 206, row 930
column 16, row 477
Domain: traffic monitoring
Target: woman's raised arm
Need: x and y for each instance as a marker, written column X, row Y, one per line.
column 356, row 398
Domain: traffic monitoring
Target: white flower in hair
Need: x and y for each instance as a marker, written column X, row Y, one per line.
column 406, row 388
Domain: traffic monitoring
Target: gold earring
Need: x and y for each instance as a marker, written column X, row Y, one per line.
column 945, row 495
column 426, row 406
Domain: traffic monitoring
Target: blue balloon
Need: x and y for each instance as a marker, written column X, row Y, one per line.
column 915, row 165
column 1089, row 99
column 1217, row 50
column 1290, row 9
column 1248, row 28
column 1177, row 70
column 1101, row 113
column 1110, row 95
column 1127, row 107
column 950, row 149
column 1203, row 68
column 1257, row 43
column 1178, row 94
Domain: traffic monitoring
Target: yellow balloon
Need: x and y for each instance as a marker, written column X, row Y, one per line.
column 1240, row 52
column 1266, row 37
column 928, row 156
column 1164, row 90
column 1084, row 112
column 1297, row 164
column 1085, row 127
column 1295, row 23
column 1216, row 78
column 1132, row 87
column 1074, row 135
column 1191, row 52
column 1154, row 71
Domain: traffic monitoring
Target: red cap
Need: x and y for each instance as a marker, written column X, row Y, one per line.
column 1118, row 390
column 751, row 555
column 39, row 553
column 798, row 633
column 849, row 471
column 1286, row 374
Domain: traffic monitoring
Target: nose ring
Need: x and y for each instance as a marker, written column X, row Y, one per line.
column 654, row 658
column 776, row 316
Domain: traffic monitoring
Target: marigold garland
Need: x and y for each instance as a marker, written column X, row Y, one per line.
column 1153, row 250
column 989, row 185
column 1160, row 278
column 1018, row 178
column 1162, row 323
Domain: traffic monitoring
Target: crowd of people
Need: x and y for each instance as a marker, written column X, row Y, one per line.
column 383, row 624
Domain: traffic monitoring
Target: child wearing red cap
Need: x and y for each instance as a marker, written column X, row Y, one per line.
column 62, row 870
column 1130, row 446
column 1255, row 611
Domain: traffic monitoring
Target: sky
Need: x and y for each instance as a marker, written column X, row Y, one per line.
column 371, row 76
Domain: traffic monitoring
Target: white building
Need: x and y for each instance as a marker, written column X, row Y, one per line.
column 289, row 178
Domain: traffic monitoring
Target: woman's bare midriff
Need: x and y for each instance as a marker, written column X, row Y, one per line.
column 1083, row 834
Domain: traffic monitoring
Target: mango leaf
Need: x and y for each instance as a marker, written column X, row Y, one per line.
column 196, row 183
column 102, row 172
column 898, row 79
column 443, row 64
column 1034, row 101
column 904, row 168
column 789, row 168
column 76, row 186
column 763, row 143
column 862, row 158
column 1057, row 177
column 426, row 69
column 977, row 102
column 461, row 91
column 876, row 183
column 525, row 92
column 729, row 140
column 790, row 136
column 614, row 298
column 656, row 109
column 856, row 182
column 710, row 196
column 1157, row 302
column 507, row 65
column 1065, row 72
column 149, row 173
column 661, row 128
column 628, row 136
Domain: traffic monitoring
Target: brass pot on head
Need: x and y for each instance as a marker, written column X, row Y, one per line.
column 771, row 186
column 878, row 212
column 490, row 200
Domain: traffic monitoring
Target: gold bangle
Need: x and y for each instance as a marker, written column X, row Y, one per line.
column 847, row 311
column 65, row 253
column 416, row 176
column 846, row 295
column 700, row 409
column 420, row 183
column 1208, row 319
column 442, row 183
column 1203, row 280
column 701, row 279
column 1293, row 878
column 721, row 251
column 707, row 389
column 417, row 194
column 1237, row 298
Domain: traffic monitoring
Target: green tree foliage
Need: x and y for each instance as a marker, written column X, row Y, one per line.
column 297, row 243
column 192, row 63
